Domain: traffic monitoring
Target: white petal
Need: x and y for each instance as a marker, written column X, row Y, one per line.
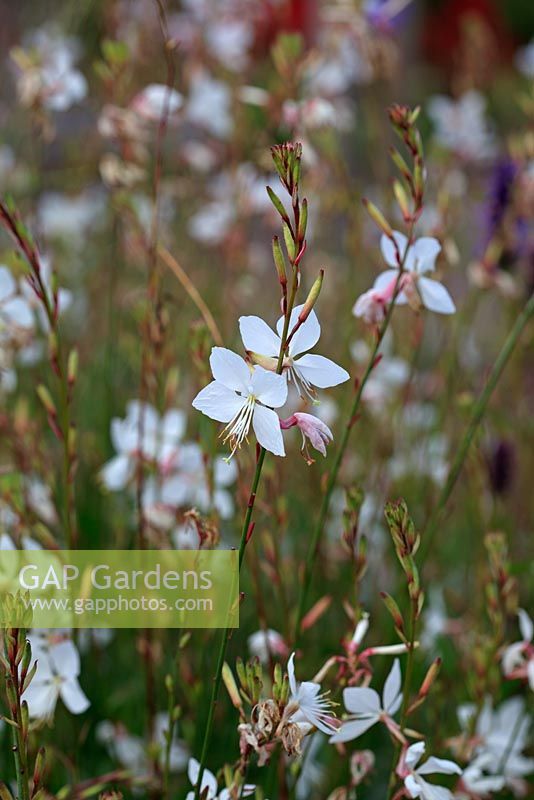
column 65, row 659
column 116, row 473
column 525, row 625
column 8, row 285
column 412, row 786
column 258, row 337
column 218, row 402
column 384, row 279
column 439, row 765
column 73, row 696
column 321, row 371
column 361, row 700
column 392, row 688
column 267, row 429
column 388, row 248
column 173, row 424
column 17, row 311
column 291, row 674
column 41, row 699
column 352, row 729
column 435, row 297
column 229, row 369
column 269, row 388
column 414, row 753
column 426, row 250
column 224, row 472
column 307, row 335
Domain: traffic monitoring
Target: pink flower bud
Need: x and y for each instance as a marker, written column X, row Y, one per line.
column 312, row 428
column 372, row 305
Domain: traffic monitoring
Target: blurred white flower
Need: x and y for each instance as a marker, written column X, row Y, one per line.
column 524, row 59
column 241, row 397
column 208, row 105
column 419, row 258
column 266, row 643
column 57, row 675
column 461, row 126
column 156, row 99
column 518, row 658
column 15, row 311
column 366, row 708
column 208, row 785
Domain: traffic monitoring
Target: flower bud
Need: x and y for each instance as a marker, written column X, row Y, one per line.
column 378, row 218
column 312, row 298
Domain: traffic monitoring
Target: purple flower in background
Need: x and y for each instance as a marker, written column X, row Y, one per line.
column 385, row 14
column 499, row 194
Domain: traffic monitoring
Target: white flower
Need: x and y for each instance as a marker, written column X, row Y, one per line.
column 240, row 397
column 518, row 658
column 366, row 708
column 460, row 125
column 265, row 644
column 304, row 368
column 524, row 60
column 209, row 105
column 419, row 258
column 208, row 785
column 142, row 434
column 312, row 707
column 179, row 754
column 477, row 781
column 415, row 784
column 56, row 677
column 15, row 311
column 155, row 100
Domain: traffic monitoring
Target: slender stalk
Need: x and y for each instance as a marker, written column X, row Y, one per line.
column 477, row 414
column 333, row 475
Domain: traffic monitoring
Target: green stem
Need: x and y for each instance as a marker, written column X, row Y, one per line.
column 477, row 414
column 332, row 477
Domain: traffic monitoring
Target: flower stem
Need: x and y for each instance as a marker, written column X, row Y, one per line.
column 333, row 475
column 477, row 414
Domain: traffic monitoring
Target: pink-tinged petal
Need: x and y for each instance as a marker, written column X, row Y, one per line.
column 361, row 700
column 435, row 297
column 307, row 335
column 388, row 248
column 321, row 371
column 258, row 337
column 218, row 402
column 8, row 284
column 116, row 473
column 383, row 281
column 352, row 729
column 267, row 429
column 425, row 250
column 525, row 625
column 17, row 311
column 229, row 369
column 439, row 765
column 268, row 387
column 73, row 697
column 392, row 688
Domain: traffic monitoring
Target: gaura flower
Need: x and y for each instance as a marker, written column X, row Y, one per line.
column 241, row 396
column 155, row 100
column 208, row 786
column 415, row 784
column 518, row 658
column 312, row 428
column 265, row 643
column 56, row 677
column 304, row 368
column 366, row 708
column 310, row 706
column 416, row 288
column 15, row 311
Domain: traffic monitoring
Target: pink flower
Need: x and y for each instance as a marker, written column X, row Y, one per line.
column 312, row 428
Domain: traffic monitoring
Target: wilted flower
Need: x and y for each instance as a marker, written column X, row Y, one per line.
column 312, row 428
